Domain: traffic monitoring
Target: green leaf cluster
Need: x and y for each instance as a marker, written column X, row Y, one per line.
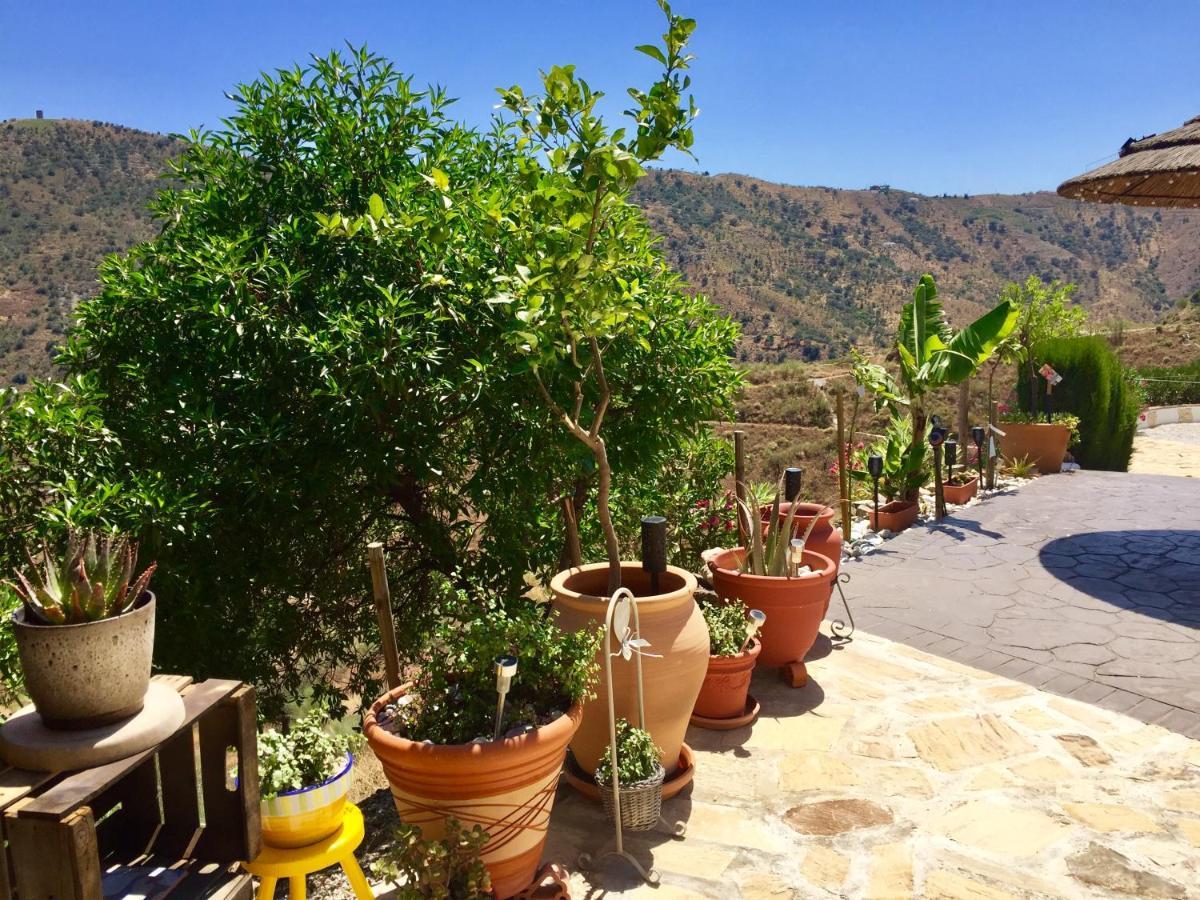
column 453, row 697
column 905, row 462
column 307, row 754
column 726, row 627
column 448, row 869
column 638, row 757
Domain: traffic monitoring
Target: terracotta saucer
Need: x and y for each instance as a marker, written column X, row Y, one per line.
column 747, row 716
column 586, row 785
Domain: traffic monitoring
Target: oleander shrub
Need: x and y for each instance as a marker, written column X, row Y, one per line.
column 1098, row 389
column 1170, row 385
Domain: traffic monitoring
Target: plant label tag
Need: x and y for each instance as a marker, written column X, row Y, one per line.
column 1047, row 372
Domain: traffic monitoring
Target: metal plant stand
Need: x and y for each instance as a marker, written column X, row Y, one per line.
column 837, row 628
column 622, row 620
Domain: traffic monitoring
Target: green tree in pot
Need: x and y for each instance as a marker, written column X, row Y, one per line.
column 86, row 613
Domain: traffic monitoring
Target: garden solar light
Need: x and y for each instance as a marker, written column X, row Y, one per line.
column 875, row 468
column 977, row 435
column 951, row 457
column 793, row 477
column 654, row 548
column 937, row 437
column 506, row 668
column 756, row 619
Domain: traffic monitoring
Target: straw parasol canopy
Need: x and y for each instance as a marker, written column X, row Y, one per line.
column 1159, row 170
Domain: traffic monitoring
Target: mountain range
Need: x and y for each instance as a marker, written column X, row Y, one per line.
column 808, row 271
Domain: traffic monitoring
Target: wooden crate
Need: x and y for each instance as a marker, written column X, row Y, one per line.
column 171, row 819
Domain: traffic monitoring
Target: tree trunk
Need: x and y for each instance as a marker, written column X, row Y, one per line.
column 611, row 546
column 913, row 494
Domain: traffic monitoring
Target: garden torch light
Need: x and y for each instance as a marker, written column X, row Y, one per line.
column 654, row 548
column 951, row 457
column 506, row 668
column 937, row 437
column 755, row 620
column 977, row 435
column 875, row 468
column 793, row 478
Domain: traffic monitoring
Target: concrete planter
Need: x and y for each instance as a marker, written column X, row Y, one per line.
column 90, row 674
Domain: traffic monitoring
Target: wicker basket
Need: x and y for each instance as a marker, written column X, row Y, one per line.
column 641, row 802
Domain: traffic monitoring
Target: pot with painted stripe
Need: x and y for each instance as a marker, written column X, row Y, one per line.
column 302, row 817
column 506, row 786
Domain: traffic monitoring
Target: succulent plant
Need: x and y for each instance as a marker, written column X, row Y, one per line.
column 91, row 579
column 771, row 554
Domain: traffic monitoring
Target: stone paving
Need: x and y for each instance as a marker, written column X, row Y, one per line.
column 896, row 773
column 1172, row 449
column 1085, row 584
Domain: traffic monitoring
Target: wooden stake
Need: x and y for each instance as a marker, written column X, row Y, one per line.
column 991, row 461
column 739, row 483
column 843, row 467
column 383, row 612
column 964, row 412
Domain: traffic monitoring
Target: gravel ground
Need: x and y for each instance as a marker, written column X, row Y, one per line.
column 1179, row 432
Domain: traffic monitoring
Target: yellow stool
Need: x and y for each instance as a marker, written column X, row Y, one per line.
column 296, row 863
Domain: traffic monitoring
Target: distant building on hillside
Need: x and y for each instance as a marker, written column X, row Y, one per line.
column 40, row 114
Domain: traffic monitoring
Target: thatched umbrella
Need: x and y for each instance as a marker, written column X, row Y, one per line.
column 1159, row 170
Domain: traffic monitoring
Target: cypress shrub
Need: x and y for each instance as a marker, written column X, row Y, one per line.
column 1098, row 389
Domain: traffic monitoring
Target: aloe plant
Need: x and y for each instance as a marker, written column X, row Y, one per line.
column 91, row 580
column 770, row 555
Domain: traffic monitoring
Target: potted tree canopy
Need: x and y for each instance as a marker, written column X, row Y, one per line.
column 586, row 280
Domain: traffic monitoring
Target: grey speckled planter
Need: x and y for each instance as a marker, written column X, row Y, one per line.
column 91, row 674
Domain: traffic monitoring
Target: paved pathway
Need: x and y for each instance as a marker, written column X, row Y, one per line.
column 1172, row 449
column 1084, row 584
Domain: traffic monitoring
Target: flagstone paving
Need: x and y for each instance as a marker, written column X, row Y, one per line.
column 897, row 773
column 1085, row 584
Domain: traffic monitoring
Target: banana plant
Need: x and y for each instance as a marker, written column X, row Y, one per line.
column 933, row 355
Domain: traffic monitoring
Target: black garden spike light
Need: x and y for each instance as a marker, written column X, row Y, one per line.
column 875, row 469
column 951, row 450
column 937, row 437
column 977, row 435
column 654, row 548
column 793, row 479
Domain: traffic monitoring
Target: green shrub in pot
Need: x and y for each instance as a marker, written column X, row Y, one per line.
column 446, row 869
column 637, row 756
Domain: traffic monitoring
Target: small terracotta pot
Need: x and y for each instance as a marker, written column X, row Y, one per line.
column 303, row 817
column 794, row 606
column 1044, row 443
column 895, row 516
column 825, row 539
column 959, row 494
column 90, row 674
column 672, row 623
column 723, row 694
column 506, row 786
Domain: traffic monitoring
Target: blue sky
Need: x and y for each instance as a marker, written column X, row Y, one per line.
column 965, row 96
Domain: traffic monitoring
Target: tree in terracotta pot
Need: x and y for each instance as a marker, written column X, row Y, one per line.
column 82, row 611
column 436, row 737
column 724, row 702
column 588, row 277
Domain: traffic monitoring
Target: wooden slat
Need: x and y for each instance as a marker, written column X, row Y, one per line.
column 81, row 788
column 179, row 682
column 129, row 832
column 18, row 783
column 180, row 795
column 232, row 828
column 5, row 875
column 55, row 860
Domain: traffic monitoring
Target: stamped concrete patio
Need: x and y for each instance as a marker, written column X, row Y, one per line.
column 1084, row 584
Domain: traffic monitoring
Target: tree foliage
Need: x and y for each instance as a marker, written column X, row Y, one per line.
column 314, row 353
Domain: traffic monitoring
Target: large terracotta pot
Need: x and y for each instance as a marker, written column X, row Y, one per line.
column 958, row 494
column 825, row 539
column 672, row 623
column 506, row 786
column 895, row 516
column 1044, row 443
column 90, row 674
column 794, row 606
column 726, row 684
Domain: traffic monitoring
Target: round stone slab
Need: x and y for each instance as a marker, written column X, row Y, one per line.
column 28, row 744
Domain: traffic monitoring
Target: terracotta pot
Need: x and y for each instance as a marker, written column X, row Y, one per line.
column 794, row 606
column 825, row 539
column 303, row 817
column 672, row 623
column 959, row 494
column 506, row 786
column 1044, row 443
column 895, row 516
column 90, row 674
column 726, row 684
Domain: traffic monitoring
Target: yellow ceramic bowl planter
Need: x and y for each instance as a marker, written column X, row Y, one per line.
column 305, row 816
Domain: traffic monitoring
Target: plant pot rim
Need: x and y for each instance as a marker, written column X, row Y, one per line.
column 804, row 512
column 558, row 585
column 895, row 506
column 968, row 483
column 342, row 773
column 544, row 734
column 750, row 652
column 827, row 570
column 146, row 601
column 1034, row 425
